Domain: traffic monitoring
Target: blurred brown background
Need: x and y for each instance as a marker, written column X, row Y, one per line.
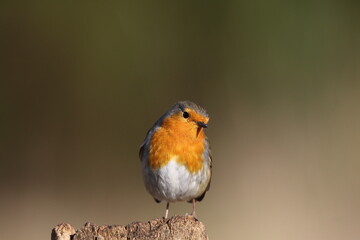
column 81, row 83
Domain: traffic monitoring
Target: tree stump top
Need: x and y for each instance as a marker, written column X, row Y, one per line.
column 177, row 227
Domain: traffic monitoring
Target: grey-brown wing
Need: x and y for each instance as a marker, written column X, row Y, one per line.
column 210, row 165
column 142, row 147
column 142, row 150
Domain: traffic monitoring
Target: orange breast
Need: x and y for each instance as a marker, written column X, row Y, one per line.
column 177, row 139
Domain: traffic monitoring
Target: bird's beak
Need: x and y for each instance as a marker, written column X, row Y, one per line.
column 202, row 124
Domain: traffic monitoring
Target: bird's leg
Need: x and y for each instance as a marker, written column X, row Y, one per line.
column 193, row 211
column 167, row 209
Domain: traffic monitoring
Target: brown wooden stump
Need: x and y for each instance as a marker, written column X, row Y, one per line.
column 177, row 227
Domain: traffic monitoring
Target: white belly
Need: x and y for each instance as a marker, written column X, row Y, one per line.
column 174, row 182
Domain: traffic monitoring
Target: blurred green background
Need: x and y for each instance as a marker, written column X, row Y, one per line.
column 82, row 82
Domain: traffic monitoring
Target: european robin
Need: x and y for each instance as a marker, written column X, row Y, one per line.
column 176, row 157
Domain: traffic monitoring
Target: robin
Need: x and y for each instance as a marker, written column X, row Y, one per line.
column 176, row 157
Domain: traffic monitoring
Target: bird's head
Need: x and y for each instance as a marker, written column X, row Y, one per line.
column 186, row 117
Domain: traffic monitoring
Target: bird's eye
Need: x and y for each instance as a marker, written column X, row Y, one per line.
column 186, row 115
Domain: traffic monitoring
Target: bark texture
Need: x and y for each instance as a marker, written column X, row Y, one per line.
column 176, row 228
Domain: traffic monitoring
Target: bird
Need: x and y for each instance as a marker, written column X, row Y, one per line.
column 175, row 156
